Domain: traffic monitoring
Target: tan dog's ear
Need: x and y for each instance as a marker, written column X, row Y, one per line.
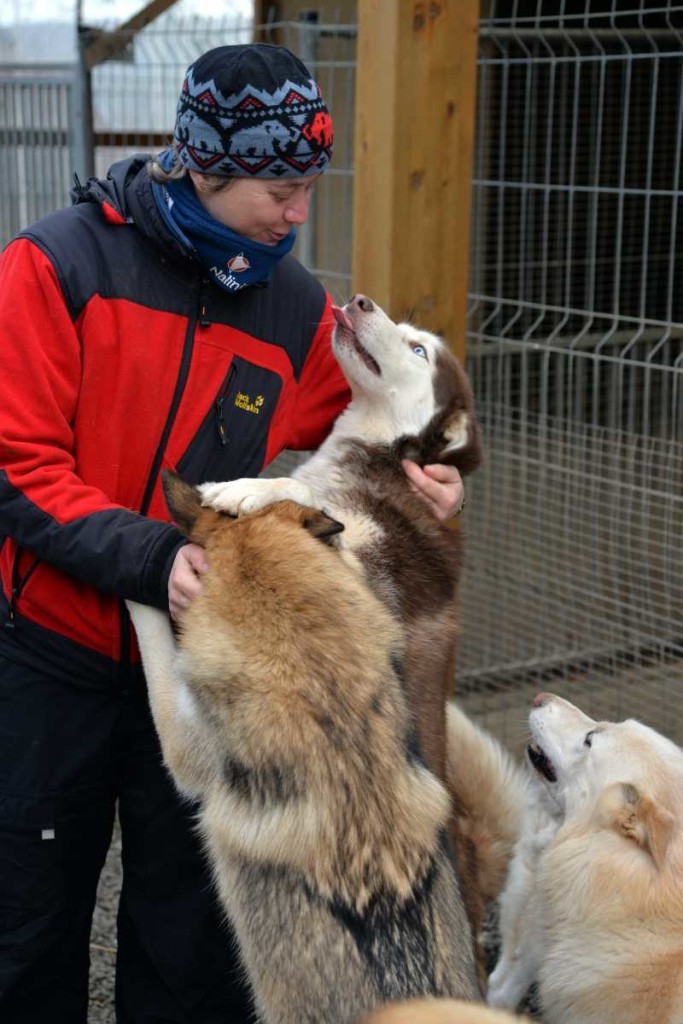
column 322, row 526
column 638, row 818
column 184, row 504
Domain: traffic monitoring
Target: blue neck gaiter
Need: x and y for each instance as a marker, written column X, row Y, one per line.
column 233, row 261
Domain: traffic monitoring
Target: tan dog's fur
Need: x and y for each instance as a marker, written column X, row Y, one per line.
column 286, row 716
column 597, row 915
column 439, row 1011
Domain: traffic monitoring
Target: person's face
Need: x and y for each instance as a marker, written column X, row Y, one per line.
column 262, row 209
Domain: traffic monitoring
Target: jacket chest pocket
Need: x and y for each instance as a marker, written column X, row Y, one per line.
column 232, row 439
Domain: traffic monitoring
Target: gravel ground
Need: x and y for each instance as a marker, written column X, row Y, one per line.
column 103, row 939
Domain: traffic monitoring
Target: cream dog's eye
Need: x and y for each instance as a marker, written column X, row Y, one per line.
column 420, row 350
column 588, row 742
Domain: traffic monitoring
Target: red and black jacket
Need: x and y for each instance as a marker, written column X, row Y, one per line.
column 118, row 358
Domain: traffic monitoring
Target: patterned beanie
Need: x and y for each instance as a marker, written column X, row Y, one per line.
column 252, row 111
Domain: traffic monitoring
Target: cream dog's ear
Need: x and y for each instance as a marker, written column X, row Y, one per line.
column 623, row 807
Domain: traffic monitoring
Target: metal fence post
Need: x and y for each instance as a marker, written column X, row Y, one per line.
column 82, row 110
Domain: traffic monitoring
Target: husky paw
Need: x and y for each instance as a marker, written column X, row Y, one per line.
column 240, row 497
column 236, row 497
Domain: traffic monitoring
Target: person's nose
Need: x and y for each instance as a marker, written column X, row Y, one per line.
column 297, row 208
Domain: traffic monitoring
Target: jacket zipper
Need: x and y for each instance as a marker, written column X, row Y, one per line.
column 218, row 405
column 203, row 316
column 170, row 419
column 18, row 585
column 188, row 348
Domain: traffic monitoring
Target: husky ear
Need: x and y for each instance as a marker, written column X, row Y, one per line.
column 638, row 818
column 456, row 431
column 184, row 504
column 462, row 442
column 322, row 526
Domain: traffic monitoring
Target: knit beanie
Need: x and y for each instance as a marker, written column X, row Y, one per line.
column 252, row 111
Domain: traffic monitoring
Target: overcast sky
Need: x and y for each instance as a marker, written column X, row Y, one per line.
column 96, row 11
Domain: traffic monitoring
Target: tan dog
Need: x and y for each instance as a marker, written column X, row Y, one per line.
column 285, row 714
column 439, row 1011
column 594, row 905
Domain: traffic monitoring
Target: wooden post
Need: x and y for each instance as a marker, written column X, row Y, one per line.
column 415, row 115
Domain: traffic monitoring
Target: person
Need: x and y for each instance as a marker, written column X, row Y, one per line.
column 160, row 321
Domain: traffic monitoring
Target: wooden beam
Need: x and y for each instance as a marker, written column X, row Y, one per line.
column 415, row 117
column 143, row 141
column 264, row 11
column 106, row 44
column 262, row 8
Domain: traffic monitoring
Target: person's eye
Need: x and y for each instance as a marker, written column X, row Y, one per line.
column 420, row 351
column 279, row 198
column 588, row 742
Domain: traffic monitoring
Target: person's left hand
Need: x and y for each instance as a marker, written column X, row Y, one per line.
column 185, row 581
column 439, row 486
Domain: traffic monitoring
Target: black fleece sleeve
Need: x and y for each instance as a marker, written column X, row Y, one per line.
column 115, row 550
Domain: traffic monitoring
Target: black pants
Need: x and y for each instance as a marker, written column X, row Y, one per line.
column 67, row 754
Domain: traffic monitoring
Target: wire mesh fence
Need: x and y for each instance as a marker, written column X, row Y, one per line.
column 574, row 580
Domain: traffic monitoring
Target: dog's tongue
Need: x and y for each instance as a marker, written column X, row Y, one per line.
column 341, row 318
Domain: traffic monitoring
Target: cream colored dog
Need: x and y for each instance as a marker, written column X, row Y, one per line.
column 594, row 905
column 439, row 1011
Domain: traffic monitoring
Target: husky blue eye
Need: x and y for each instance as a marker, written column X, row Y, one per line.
column 419, row 350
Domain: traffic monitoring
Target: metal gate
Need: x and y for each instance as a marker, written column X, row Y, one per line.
column 39, row 142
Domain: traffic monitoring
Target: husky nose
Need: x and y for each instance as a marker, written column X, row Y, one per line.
column 363, row 302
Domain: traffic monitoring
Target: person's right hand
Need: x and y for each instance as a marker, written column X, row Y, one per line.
column 184, row 583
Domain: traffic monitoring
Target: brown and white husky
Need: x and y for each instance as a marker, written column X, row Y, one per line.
column 410, row 399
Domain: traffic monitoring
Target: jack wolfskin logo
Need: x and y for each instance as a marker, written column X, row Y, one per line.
column 243, row 401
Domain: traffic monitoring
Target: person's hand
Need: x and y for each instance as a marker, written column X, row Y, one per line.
column 185, row 583
column 439, row 486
